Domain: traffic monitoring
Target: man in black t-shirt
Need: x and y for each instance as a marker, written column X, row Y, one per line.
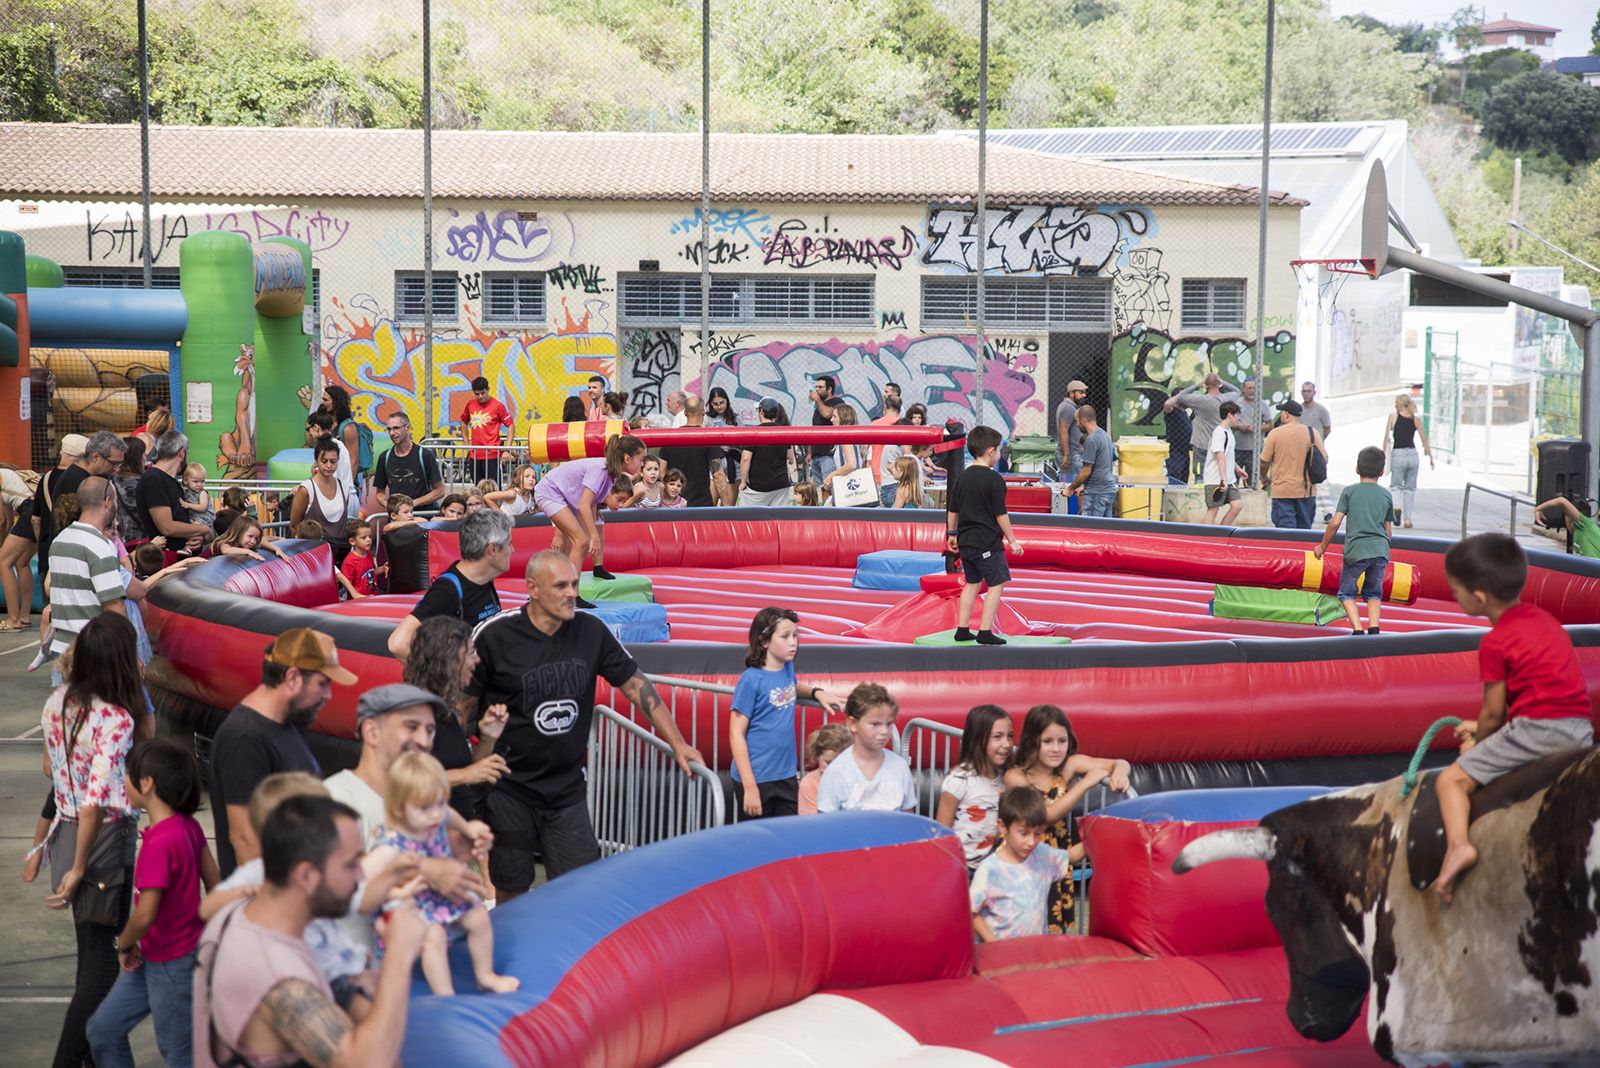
column 823, row 401
column 407, row 467
column 266, row 733
column 160, row 498
column 542, row 663
column 695, row 461
column 466, row 588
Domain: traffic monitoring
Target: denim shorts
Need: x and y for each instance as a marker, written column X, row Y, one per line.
column 1371, row 586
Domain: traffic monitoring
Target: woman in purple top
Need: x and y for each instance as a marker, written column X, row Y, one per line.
column 571, row 495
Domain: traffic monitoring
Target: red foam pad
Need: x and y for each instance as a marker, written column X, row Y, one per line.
column 1135, row 897
column 304, row 580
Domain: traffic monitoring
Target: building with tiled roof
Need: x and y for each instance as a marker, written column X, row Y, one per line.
column 1513, row 33
column 561, row 255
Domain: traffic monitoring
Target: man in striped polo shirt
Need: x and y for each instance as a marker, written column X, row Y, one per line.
column 84, row 579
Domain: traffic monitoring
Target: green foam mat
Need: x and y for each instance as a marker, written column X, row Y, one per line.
column 1276, row 606
column 636, row 588
column 948, row 637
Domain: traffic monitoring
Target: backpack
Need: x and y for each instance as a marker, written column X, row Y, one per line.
column 363, row 442
column 1316, row 463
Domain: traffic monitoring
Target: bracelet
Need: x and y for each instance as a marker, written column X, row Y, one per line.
column 950, row 533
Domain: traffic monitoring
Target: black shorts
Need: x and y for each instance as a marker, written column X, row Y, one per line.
column 985, row 565
column 563, row 836
column 485, row 468
column 23, row 527
column 781, row 797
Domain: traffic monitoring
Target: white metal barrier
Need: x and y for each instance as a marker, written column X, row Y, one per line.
column 457, row 466
column 637, row 793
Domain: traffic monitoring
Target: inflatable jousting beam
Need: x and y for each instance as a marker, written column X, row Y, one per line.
column 1229, row 563
column 553, row 442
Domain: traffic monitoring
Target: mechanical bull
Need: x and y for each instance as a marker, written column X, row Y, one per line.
column 1510, row 973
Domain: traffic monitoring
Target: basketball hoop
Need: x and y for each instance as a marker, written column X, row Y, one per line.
column 1319, row 282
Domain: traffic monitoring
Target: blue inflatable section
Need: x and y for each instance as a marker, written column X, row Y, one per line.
column 38, row 587
column 895, row 569
column 632, row 621
column 555, row 925
column 1213, row 806
column 107, row 314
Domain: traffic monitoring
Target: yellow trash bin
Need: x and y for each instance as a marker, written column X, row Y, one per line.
column 1141, row 459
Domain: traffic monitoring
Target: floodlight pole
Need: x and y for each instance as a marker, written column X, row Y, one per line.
column 705, row 198
column 148, row 256
column 1261, row 243
column 981, row 215
column 427, row 216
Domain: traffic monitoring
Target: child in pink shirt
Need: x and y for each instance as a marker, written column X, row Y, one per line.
column 157, row 947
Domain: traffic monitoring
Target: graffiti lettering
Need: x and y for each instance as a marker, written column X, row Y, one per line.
column 1148, row 365
column 384, row 370
column 1034, row 238
column 719, row 344
column 722, row 252
column 730, row 222
column 894, row 318
column 649, row 369
column 939, row 369
column 471, row 285
column 792, row 246
column 278, row 268
column 508, row 238
column 1139, row 292
column 586, row 277
column 117, row 236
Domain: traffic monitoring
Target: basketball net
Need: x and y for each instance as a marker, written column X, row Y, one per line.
column 1318, row 289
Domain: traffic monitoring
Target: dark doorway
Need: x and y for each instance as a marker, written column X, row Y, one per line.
column 1085, row 356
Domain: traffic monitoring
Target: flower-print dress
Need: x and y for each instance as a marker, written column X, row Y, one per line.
column 434, row 906
column 1060, row 911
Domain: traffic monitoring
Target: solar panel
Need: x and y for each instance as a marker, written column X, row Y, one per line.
column 1170, row 141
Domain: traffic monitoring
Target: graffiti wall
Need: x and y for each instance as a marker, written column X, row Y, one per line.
column 1034, row 238
column 937, row 369
column 383, row 365
column 1148, row 366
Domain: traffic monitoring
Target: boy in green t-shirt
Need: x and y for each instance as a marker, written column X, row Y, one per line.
column 1366, row 544
column 1583, row 533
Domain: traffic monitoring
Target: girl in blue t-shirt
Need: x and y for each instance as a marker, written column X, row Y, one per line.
column 761, row 731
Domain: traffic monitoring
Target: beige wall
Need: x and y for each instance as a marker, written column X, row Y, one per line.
column 584, row 247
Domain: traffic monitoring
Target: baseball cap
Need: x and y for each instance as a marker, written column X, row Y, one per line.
column 1077, row 384
column 381, row 700
column 770, row 406
column 1292, row 407
column 309, row 650
column 74, row 444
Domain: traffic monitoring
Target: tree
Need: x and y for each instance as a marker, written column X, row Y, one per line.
column 1594, row 36
column 1546, row 113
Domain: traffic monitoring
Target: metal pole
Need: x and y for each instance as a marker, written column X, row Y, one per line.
column 1261, row 240
column 427, row 215
column 981, row 216
column 705, row 197
column 144, row 140
column 1590, row 389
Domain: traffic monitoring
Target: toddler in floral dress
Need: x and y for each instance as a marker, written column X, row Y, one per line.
column 416, row 806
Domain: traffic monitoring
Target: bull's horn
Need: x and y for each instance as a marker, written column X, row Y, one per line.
column 1250, row 843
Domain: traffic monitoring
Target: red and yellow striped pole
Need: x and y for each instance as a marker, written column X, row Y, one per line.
column 1399, row 581
column 550, row 443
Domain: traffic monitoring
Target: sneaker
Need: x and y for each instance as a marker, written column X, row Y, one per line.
column 989, row 637
column 963, row 634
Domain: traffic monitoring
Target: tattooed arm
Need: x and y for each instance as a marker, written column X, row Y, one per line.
column 308, row 1022
column 643, row 695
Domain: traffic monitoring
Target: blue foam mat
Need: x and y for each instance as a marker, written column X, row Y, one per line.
column 633, row 621
column 1213, row 806
column 895, row 569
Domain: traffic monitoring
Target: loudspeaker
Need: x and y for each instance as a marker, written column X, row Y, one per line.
column 1563, row 472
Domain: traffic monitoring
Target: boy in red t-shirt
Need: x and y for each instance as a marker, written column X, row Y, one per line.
column 481, row 419
column 357, row 574
column 1531, row 683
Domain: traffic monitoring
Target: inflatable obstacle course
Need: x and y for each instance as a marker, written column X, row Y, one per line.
column 623, row 588
column 895, row 569
column 1277, row 606
column 946, row 638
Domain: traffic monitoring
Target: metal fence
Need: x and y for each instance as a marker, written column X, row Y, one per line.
column 637, row 792
column 460, row 470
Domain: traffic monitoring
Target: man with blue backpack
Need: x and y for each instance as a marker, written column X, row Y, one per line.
column 466, row 588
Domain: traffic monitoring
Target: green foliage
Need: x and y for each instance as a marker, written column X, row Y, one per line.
column 1546, row 113
column 1410, row 38
column 1487, row 71
column 1594, row 36
column 68, row 61
column 949, row 58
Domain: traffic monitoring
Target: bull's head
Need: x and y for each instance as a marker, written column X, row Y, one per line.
column 1328, row 977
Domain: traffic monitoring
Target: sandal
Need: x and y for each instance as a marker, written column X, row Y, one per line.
column 12, row 625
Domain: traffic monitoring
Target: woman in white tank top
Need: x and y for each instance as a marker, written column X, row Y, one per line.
column 321, row 497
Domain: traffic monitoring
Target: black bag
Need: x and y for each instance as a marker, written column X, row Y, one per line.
column 1316, row 463
column 99, row 896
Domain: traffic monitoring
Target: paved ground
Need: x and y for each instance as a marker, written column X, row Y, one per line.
column 37, row 951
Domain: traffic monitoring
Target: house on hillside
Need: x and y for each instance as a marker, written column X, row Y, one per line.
column 1507, row 32
column 1585, row 67
column 561, row 255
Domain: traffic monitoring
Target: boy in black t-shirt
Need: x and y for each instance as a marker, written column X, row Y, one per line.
column 977, row 528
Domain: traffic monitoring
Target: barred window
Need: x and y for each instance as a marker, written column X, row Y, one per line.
column 316, row 295
column 514, row 297
column 408, row 296
column 674, row 299
column 120, row 277
column 1043, row 303
column 1213, row 304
